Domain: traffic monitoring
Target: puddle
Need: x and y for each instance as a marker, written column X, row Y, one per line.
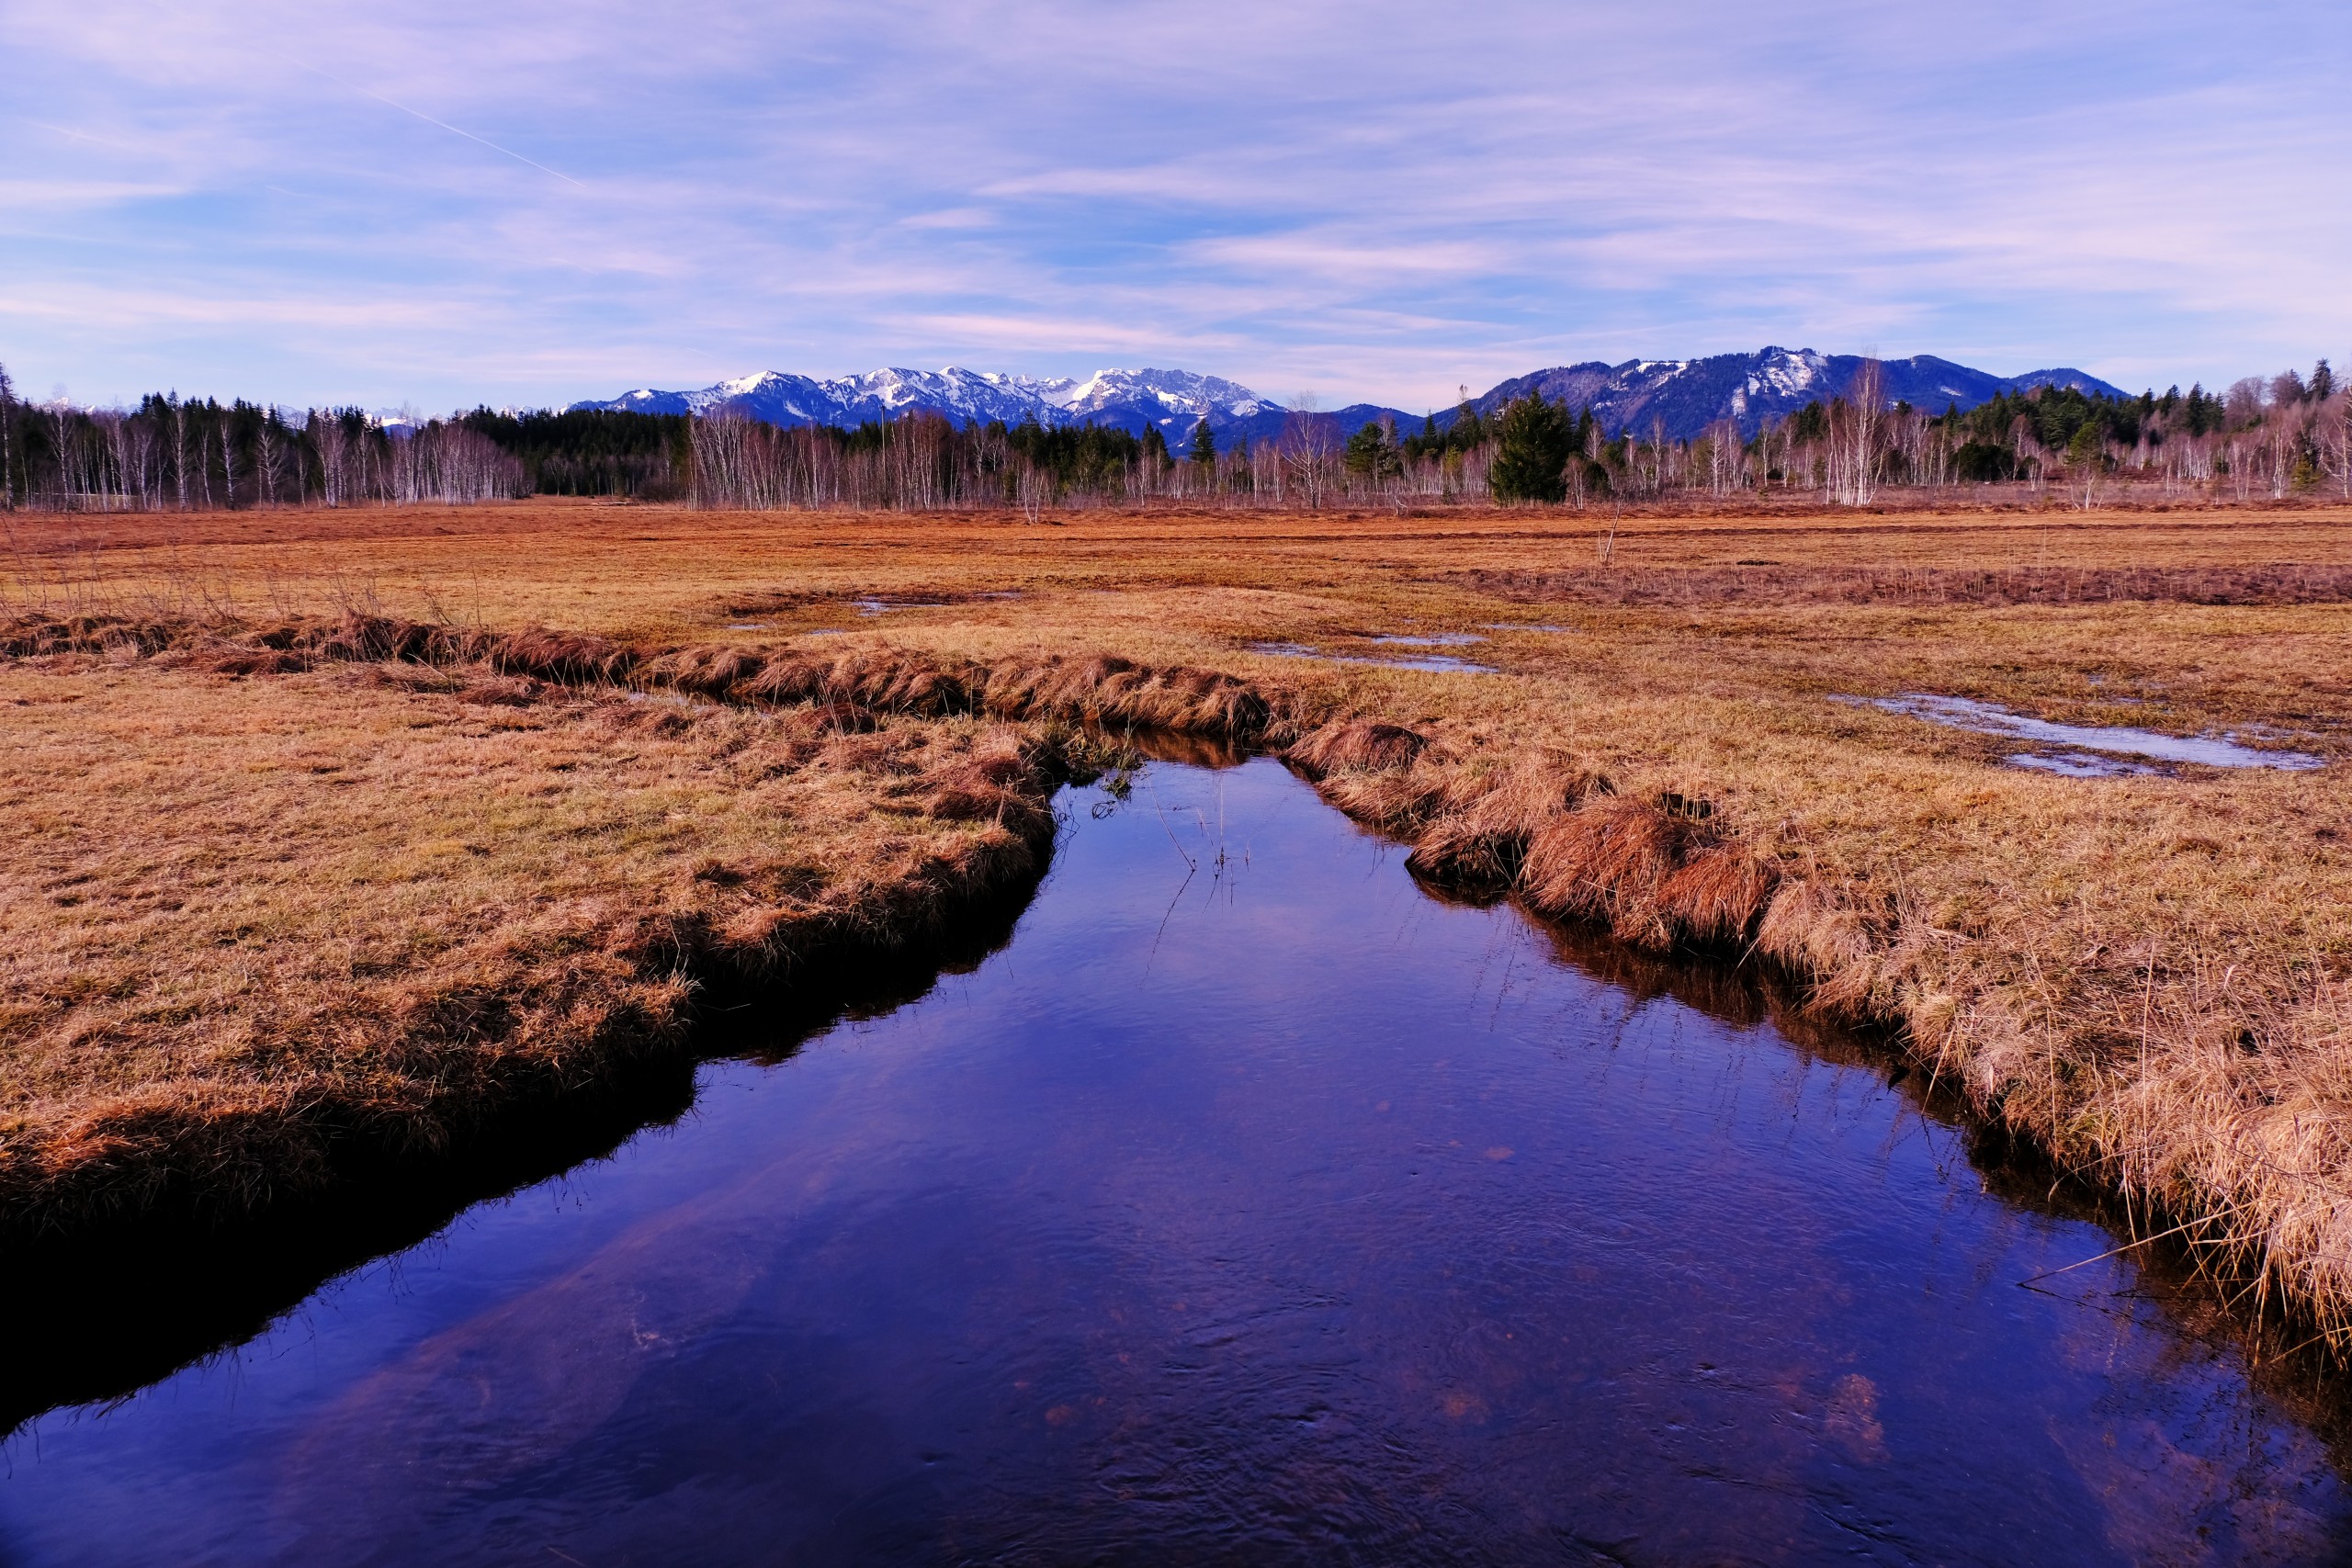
column 1249, row 1205
column 2079, row 745
column 1434, row 639
column 884, row 604
column 1434, row 662
column 2080, row 765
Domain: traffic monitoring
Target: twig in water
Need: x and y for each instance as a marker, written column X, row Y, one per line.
column 2142, row 1241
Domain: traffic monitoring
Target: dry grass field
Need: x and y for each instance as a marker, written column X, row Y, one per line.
column 318, row 838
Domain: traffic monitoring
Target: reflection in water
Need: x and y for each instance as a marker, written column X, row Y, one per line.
column 95, row 1332
column 1250, row 1206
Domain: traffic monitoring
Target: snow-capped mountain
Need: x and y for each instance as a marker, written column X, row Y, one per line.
column 1166, row 395
column 1174, row 400
column 1688, row 395
column 1684, row 396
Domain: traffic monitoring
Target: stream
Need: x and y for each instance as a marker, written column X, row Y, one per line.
column 1252, row 1204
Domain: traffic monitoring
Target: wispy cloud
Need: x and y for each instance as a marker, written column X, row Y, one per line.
column 540, row 202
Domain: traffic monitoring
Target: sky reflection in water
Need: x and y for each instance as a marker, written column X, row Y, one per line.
column 1252, row 1205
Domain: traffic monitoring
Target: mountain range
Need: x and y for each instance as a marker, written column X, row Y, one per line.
column 1132, row 399
column 1683, row 396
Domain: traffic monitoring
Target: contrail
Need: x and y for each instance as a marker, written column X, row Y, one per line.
column 389, row 103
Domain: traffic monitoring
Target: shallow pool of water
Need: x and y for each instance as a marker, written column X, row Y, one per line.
column 1249, row 1206
column 873, row 605
column 2088, row 750
column 1436, row 662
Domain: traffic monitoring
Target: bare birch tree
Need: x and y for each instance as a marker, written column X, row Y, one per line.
column 2335, row 426
column 268, row 456
column 1857, row 435
column 1308, row 452
column 7, row 419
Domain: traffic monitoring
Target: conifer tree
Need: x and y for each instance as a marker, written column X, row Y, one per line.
column 1204, row 447
column 1534, row 440
column 2201, row 410
column 1371, row 454
column 1467, row 429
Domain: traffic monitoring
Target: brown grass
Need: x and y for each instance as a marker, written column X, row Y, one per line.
column 1769, row 583
column 366, row 903
column 2146, row 977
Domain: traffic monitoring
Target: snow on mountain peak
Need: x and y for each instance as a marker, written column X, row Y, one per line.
column 1124, row 397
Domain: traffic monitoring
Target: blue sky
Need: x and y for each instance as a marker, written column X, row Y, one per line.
column 532, row 202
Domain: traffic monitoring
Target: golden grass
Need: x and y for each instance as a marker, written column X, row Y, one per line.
column 252, row 921
column 2144, row 975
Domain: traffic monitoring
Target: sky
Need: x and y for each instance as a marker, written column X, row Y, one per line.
column 527, row 203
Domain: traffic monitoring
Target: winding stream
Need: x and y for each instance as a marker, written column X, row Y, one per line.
column 1251, row 1205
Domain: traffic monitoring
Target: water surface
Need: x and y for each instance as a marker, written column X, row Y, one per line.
column 1441, row 663
column 1249, row 1206
column 2090, row 751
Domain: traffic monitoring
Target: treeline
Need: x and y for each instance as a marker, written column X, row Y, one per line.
column 2271, row 437
column 2260, row 437
column 592, row 451
column 921, row 460
column 2267, row 437
column 173, row 454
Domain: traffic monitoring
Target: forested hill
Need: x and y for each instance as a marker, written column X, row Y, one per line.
column 1688, row 395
